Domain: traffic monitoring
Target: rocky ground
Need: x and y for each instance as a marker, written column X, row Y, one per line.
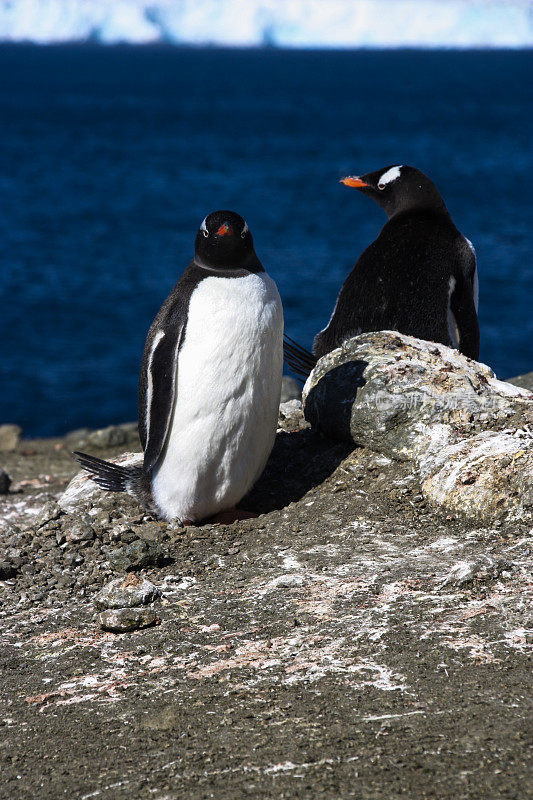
column 351, row 641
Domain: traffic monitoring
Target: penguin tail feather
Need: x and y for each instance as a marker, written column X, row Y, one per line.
column 301, row 361
column 111, row 477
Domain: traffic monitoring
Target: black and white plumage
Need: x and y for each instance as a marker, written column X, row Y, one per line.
column 210, row 382
column 418, row 277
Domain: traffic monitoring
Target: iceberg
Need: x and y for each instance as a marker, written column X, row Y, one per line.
column 277, row 23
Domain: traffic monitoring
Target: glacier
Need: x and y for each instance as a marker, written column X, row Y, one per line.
column 277, row 23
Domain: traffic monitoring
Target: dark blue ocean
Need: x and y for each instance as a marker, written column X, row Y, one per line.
column 111, row 157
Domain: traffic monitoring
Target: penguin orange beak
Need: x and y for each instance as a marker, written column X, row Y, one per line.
column 353, row 180
column 224, row 229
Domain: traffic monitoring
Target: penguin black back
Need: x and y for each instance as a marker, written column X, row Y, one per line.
column 418, row 277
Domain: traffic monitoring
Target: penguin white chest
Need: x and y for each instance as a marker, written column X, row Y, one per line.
column 228, row 386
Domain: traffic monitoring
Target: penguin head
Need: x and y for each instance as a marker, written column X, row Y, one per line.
column 224, row 242
column 398, row 188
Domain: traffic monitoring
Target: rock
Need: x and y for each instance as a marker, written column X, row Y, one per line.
column 103, row 438
column 291, row 416
column 485, row 477
column 137, row 555
column 81, row 530
column 82, row 490
column 113, row 436
column 399, row 395
column 5, row 481
column 123, row 620
column 10, row 436
column 49, row 512
column 524, row 381
column 290, row 389
column 7, row 570
column 128, row 592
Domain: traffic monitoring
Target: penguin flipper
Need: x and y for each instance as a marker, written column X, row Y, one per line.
column 300, row 360
column 463, row 308
column 158, row 397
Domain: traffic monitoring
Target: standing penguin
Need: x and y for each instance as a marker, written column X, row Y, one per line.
column 210, row 383
column 418, row 277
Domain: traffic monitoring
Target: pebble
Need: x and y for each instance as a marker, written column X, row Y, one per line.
column 5, row 481
column 123, row 620
column 10, row 436
column 128, row 592
column 81, row 531
column 137, row 555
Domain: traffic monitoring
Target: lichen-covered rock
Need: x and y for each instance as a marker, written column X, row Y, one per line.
column 484, row 477
column 387, row 391
column 10, row 436
column 129, row 592
column 82, row 490
column 124, row 620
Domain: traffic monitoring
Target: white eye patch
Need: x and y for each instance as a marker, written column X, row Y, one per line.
column 389, row 176
column 203, row 228
column 244, row 230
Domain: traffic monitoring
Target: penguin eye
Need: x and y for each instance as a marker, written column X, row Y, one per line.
column 205, row 233
column 244, row 230
column 381, row 186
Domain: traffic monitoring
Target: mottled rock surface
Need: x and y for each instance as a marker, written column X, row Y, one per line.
column 349, row 642
column 468, row 433
column 128, row 592
column 125, row 620
column 386, row 391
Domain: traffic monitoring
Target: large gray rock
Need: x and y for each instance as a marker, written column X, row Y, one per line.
column 467, row 433
column 399, row 395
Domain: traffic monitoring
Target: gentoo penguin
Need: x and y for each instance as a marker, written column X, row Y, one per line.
column 419, row 277
column 210, row 383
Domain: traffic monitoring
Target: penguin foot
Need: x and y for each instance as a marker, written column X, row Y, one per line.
column 230, row 515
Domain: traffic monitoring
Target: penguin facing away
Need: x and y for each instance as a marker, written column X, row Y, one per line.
column 418, row 277
column 210, row 383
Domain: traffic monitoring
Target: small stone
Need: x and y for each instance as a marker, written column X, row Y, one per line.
column 5, row 481
column 7, row 570
column 81, row 531
column 113, row 436
column 73, row 559
column 49, row 512
column 137, row 555
column 123, row 620
column 128, row 592
column 10, row 436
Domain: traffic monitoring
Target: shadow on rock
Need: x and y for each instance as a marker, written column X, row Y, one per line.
column 336, row 393
column 299, row 462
